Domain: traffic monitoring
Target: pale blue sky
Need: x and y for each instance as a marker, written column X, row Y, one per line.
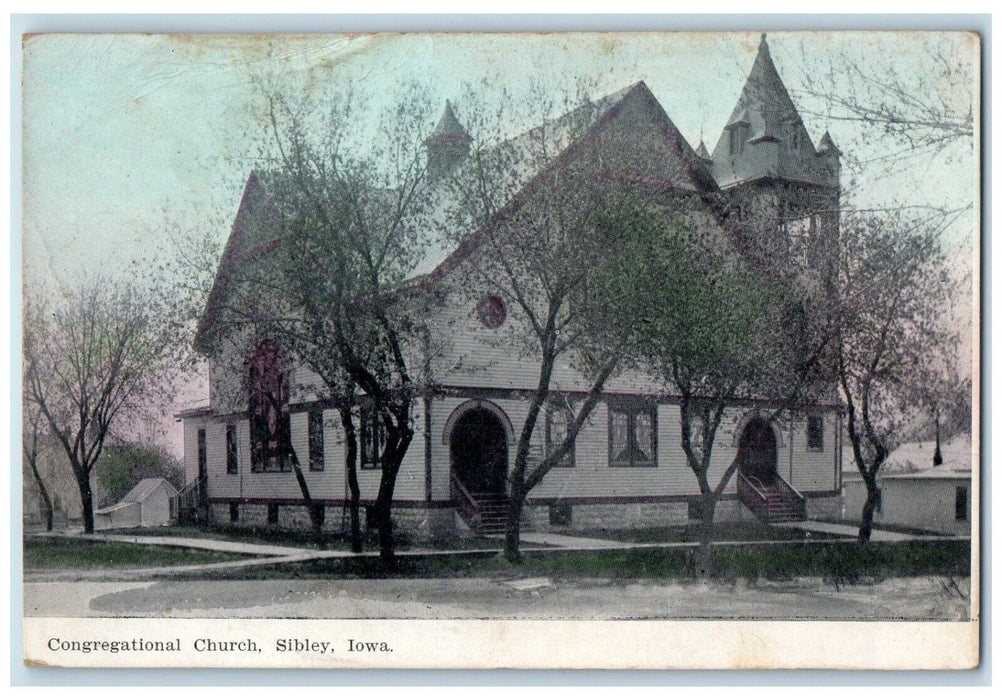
column 119, row 127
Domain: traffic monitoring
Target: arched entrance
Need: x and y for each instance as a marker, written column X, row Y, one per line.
column 478, row 450
column 757, row 451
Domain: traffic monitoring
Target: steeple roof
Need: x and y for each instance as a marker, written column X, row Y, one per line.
column 764, row 135
column 827, row 145
column 449, row 129
column 764, row 97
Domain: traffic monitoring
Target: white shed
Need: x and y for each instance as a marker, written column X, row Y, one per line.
column 146, row 505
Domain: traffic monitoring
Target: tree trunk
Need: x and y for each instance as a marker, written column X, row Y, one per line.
column 937, row 457
column 315, row 511
column 703, row 556
column 393, row 456
column 513, row 523
column 351, row 472
column 869, row 507
column 46, row 500
column 86, row 500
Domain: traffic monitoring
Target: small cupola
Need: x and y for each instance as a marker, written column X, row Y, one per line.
column 827, row 147
column 704, row 155
column 448, row 145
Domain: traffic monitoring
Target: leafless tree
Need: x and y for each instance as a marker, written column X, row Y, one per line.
column 546, row 242
column 100, row 356
column 893, row 350
column 32, row 445
column 904, row 114
column 339, row 234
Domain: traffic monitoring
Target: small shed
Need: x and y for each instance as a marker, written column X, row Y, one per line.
column 146, row 505
column 937, row 499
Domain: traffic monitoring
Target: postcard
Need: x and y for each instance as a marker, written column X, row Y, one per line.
column 553, row 350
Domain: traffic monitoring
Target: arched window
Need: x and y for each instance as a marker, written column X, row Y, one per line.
column 268, row 405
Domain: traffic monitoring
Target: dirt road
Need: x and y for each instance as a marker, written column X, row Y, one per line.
column 924, row 598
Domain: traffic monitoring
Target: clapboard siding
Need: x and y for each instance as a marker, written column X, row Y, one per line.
column 815, row 470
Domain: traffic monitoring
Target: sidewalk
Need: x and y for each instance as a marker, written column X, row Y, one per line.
column 852, row 532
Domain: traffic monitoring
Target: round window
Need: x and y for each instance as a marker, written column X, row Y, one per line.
column 492, row 312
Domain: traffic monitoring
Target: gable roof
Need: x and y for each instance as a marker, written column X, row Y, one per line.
column 664, row 160
column 246, row 242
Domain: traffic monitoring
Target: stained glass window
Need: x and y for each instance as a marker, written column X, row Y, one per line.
column 633, row 436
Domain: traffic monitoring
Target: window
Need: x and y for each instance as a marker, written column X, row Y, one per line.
column 492, row 312
column 558, row 421
column 316, row 435
column 202, row 454
column 273, row 514
column 880, row 501
column 738, row 136
column 960, row 505
column 234, row 512
column 696, row 427
column 815, row 433
column 373, row 436
column 268, row 403
column 560, row 515
column 232, row 463
column 632, row 436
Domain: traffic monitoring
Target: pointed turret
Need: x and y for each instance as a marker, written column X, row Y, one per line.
column 448, row 145
column 702, row 152
column 827, row 146
column 765, row 136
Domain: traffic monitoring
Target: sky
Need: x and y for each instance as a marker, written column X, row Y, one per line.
column 124, row 132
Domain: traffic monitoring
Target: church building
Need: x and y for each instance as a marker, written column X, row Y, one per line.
column 627, row 469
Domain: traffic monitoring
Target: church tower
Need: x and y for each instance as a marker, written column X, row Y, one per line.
column 448, row 145
column 783, row 191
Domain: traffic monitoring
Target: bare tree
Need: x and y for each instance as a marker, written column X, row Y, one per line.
column 724, row 331
column 921, row 115
column 100, row 357
column 33, row 441
column 549, row 209
column 892, row 345
column 338, row 233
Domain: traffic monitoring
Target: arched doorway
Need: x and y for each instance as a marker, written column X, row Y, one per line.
column 757, row 451
column 478, row 450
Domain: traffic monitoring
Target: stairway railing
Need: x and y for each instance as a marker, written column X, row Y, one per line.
column 469, row 509
column 791, row 495
column 750, row 492
column 188, row 500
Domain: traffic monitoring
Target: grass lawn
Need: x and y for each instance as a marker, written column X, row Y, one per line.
column 50, row 553
column 837, row 562
column 722, row 532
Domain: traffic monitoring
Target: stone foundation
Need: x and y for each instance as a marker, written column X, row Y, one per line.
column 429, row 523
column 416, row 523
column 605, row 516
column 829, row 508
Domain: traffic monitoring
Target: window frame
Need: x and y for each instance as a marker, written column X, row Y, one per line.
column 570, row 460
column 960, row 509
column 632, row 410
column 202, row 453
column 369, row 426
column 265, row 456
column 232, row 450
column 820, row 446
column 315, row 439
